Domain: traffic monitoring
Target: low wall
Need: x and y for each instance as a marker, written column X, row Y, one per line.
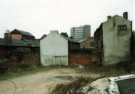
column 81, row 58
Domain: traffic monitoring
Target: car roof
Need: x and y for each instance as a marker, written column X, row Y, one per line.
column 105, row 82
column 124, row 77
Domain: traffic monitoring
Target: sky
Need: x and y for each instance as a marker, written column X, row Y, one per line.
column 41, row 16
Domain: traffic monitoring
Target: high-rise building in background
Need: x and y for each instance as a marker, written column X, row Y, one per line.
column 80, row 33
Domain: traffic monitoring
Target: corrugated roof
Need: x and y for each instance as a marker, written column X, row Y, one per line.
column 25, row 43
column 23, row 32
column 31, row 43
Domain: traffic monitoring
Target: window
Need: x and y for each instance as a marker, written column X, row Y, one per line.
column 127, row 86
column 122, row 28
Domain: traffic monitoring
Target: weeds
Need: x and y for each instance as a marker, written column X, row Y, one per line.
column 72, row 87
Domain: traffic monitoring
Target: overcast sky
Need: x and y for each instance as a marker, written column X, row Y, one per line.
column 41, row 16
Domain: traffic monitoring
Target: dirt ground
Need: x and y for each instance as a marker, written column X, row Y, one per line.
column 42, row 82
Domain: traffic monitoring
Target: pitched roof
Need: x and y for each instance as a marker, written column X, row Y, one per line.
column 43, row 36
column 22, row 32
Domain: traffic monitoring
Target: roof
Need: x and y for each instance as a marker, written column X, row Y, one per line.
column 116, row 16
column 104, row 82
column 3, row 42
column 22, row 32
column 24, row 43
column 82, row 40
column 124, row 77
column 43, row 36
column 66, row 38
column 73, row 41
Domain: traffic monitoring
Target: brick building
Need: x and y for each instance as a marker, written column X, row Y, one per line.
column 19, row 35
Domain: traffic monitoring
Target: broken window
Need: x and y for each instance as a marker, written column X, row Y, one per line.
column 121, row 29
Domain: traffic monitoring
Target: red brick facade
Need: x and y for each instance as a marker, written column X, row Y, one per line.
column 81, row 58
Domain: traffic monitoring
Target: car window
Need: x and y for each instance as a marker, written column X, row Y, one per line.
column 126, row 86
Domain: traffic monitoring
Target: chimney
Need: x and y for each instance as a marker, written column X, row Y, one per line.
column 125, row 15
column 108, row 17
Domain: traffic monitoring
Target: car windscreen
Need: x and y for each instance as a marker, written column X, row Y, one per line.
column 126, row 86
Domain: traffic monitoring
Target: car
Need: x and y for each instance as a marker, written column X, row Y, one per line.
column 112, row 85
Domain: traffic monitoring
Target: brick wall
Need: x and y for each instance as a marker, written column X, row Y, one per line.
column 81, row 58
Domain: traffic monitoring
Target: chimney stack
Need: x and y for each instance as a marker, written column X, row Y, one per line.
column 108, row 17
column 125, row 15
